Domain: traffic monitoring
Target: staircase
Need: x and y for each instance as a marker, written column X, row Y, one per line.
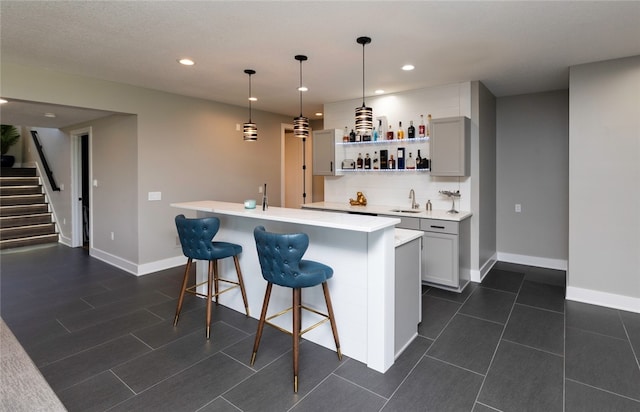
column 25, row 218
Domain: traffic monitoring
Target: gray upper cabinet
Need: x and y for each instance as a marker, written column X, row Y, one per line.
column 324, row 151
column 451, row 146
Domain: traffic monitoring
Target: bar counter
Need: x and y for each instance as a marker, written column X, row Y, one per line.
column 361, row 251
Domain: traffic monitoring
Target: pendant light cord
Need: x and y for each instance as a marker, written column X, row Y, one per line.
column 363, row 104
column 300, row 88
column 250, row 99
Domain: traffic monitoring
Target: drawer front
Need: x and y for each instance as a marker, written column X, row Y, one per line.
column 409, row 223
column 439, row 226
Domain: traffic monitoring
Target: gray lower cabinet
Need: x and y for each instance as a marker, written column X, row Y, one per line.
column 446, row 251
column 408, row 305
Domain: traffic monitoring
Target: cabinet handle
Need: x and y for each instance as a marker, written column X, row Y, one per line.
column 437, row 227
column 331, row 166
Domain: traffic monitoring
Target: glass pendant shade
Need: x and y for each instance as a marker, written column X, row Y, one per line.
column 301, row 123
column 364, row 114
column 249, row 129
column 301, row 127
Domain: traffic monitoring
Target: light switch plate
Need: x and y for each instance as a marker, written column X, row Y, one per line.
column 155, row 196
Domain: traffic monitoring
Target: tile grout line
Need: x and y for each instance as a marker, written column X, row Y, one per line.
column 626, row 332
column 603, row 390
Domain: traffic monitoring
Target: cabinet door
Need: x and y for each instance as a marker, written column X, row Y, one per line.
column 324, row 152
column 450, row 146
column 440, row 258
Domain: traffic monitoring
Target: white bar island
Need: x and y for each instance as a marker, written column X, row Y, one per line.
column 361, row 251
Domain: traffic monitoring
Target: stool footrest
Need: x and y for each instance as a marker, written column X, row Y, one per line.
column 302, row 332
column 192, row 289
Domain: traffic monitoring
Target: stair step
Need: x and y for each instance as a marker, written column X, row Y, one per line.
column 25, row 220
column 18, row 171
column 27, row 231
column 21, row 210
column 28, row 241
column 22, row 200
column 19, row 181
column 20, row 190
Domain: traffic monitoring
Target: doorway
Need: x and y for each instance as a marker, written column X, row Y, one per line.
column 295, row 185
column 81, row 188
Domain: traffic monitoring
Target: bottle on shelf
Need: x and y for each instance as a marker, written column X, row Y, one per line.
column 352, row 136
column 418, row 160
column 345, row 136
column 367, row 162
column 390, row 133
column 400, row 158
column 410, row 163
column 359, row 162
column 422, row 127
column 375, row 135
column 428, row 125
column 380, row 131
column 376, row 161
column 411, row 131
column 392, row 163
column 400, row 133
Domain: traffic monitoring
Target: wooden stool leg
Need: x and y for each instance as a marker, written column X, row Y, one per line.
column 241, row 282
column 209, row 295
column 215, row 280
column 297, row 292
column 263, row 316
column 334, row 329
column 182, row 291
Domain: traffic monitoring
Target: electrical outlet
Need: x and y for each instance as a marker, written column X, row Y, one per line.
column 260, row 189
column 112, row 236
column 238, row 127
column 518, row 208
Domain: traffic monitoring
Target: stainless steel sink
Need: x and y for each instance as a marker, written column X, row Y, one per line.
column 405, row 210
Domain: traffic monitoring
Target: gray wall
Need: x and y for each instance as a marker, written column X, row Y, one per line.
column 186, row 148
column 533, row 170
column 604, row 172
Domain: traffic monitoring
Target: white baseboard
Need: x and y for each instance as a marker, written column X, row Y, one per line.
column 606, row 299
column 136, row 269
column 541, row 262
column 478, row 275
column 64, row 240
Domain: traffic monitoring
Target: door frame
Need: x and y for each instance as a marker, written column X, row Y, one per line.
column 284, row 127
column 76, row 186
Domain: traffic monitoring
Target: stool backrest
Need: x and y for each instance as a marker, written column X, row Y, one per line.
column 280, row 254
column 196, row 236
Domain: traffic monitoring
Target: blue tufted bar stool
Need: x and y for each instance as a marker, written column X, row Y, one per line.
column 280, row 257
column 196, row 238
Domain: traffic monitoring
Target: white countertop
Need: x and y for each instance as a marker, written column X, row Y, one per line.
column 356, row 223
column 387, row 210
column 403, row 236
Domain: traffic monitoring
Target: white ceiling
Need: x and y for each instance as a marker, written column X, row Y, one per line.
column 512, row 47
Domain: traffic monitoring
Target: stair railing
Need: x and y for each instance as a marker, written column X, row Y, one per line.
column 43, row 159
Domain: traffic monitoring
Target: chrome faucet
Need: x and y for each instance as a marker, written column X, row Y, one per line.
column 412, row 196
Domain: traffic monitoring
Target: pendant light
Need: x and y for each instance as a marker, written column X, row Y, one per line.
column 301, row 123
column 364, row 114
column 301, row 130
column 250, row 130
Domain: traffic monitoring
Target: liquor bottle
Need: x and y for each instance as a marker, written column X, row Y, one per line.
column 367, row 161
column 375, row 135
column 392, row 163
column 411, row 131
column 358, row 137
column 390, row 133
column 400, row 131
column 418, row 160
column 411, row 162
column 380, row 131
column 376, row 161
column 428, row 125
column 352, row 136
column 345, row 136
column 421, row 127
column 400, row 158
column 359, row 162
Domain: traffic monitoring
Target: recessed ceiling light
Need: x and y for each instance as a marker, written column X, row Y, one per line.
column 408, row 67
column 48, row 114
column 319, row 114
column 253, row 99
column 379, row 91
column 303, row 89
column 3, row 101
column 186, row 62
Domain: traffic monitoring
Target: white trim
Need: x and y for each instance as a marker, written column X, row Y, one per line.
column 606, row 299
column 559, row 264
column 76, row 186
column 163, row 264
column 64, row 240
column 478, row 275
column 113, row 260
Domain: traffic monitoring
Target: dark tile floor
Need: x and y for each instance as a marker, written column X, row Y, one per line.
column 104, row 340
